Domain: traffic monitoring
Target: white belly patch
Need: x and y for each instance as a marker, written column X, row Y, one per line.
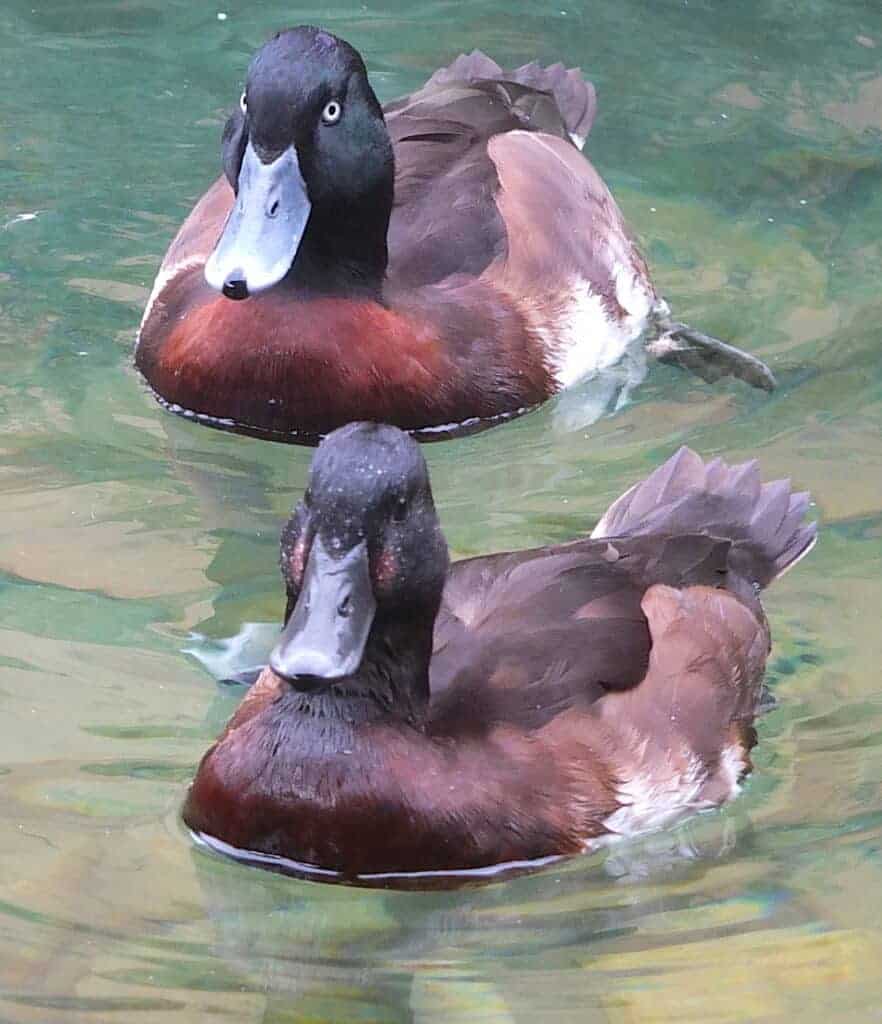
column 653, row 800
column 587, row 337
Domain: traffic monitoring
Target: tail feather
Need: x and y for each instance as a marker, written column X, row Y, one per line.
column 575, row 97
column 468, row 67
column 686, row 495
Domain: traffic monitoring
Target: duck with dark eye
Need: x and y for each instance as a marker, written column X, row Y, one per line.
column 451, row 260
column 419, row 718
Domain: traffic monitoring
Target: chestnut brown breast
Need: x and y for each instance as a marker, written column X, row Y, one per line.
column 440, row 355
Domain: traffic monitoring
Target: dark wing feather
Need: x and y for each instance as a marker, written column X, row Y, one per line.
column 445, row 219
column 521, row 637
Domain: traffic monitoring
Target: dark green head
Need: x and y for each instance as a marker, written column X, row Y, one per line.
column 311, row 162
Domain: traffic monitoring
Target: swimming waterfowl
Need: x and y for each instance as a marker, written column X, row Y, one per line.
column 422, row 717
column 447, row 261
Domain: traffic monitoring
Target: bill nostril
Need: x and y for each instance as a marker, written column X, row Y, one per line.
column 273, row 208
column 235, row 286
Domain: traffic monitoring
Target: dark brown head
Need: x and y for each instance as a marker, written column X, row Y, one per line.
column 364, row 564
column 311, row 162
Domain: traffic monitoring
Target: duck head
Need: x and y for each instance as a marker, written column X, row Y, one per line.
column 364, row 563
column 309, row 158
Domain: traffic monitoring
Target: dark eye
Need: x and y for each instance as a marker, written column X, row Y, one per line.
column 307, row 497
column 399, row 510
column 243, row 103
column 332, row 112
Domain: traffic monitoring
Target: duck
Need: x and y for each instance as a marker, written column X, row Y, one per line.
column 442, row 263
column 419, row 719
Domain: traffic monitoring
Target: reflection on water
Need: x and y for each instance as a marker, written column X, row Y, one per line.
column 743, row 142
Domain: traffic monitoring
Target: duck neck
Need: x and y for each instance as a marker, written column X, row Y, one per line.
column 344, row 249
column 391, row 684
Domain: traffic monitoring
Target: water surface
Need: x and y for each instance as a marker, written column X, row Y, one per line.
column 744, row 142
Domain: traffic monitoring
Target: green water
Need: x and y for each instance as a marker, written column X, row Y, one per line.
column 744, row 142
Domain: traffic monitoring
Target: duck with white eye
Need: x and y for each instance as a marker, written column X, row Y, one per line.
column 443, row 263
column 267, row 222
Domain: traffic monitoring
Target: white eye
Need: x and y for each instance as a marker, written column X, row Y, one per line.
column 243, row 103
column 331, row 113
